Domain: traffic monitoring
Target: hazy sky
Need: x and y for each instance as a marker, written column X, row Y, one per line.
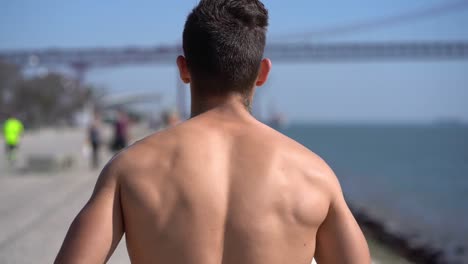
column 384, row 91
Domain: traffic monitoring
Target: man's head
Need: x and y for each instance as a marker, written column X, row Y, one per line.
column 223, row 43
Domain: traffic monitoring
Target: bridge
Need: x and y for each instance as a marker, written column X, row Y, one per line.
column 279, row 52
column 82, row 60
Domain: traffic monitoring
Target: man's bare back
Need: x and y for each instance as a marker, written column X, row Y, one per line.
column 219, row 188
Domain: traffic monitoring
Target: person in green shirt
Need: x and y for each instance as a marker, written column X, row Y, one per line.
column 12, row 131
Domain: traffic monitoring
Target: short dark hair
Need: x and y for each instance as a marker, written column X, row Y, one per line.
column 223, row 43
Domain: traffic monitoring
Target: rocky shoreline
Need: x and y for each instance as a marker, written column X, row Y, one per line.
column 407, row 245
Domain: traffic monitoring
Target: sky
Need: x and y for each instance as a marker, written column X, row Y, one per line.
column 410, row 91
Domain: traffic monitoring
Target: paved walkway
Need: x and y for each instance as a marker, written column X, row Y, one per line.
column 36, row 209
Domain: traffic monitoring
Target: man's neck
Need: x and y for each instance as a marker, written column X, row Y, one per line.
column 234, row 103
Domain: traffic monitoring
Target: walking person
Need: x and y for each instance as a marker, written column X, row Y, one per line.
column 94, row 138
column 12, row 132
column 121, row 134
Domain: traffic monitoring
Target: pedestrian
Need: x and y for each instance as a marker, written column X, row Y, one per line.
column 94, row 137
column 12, row 132
column 120, row 140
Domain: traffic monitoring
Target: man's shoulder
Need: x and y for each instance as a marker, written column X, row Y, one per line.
column 311, row 165
column 142, row 155
column 291, row 146
column 136, row 157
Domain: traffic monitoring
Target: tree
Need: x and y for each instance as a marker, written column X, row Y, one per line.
column 42, row 100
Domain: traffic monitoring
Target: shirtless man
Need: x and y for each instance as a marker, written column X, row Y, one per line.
column 221, row 188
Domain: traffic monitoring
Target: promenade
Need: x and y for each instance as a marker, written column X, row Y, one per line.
column 36, row 209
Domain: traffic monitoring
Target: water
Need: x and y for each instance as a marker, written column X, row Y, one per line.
column 413, row 178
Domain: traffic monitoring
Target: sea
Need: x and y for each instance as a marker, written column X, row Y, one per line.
column 411, row 178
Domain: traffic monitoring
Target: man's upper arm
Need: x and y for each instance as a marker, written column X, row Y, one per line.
column 98, row 228
column 339, row 238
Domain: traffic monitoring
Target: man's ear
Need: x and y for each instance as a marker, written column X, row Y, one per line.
column 183, row 69
column 265, row 68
